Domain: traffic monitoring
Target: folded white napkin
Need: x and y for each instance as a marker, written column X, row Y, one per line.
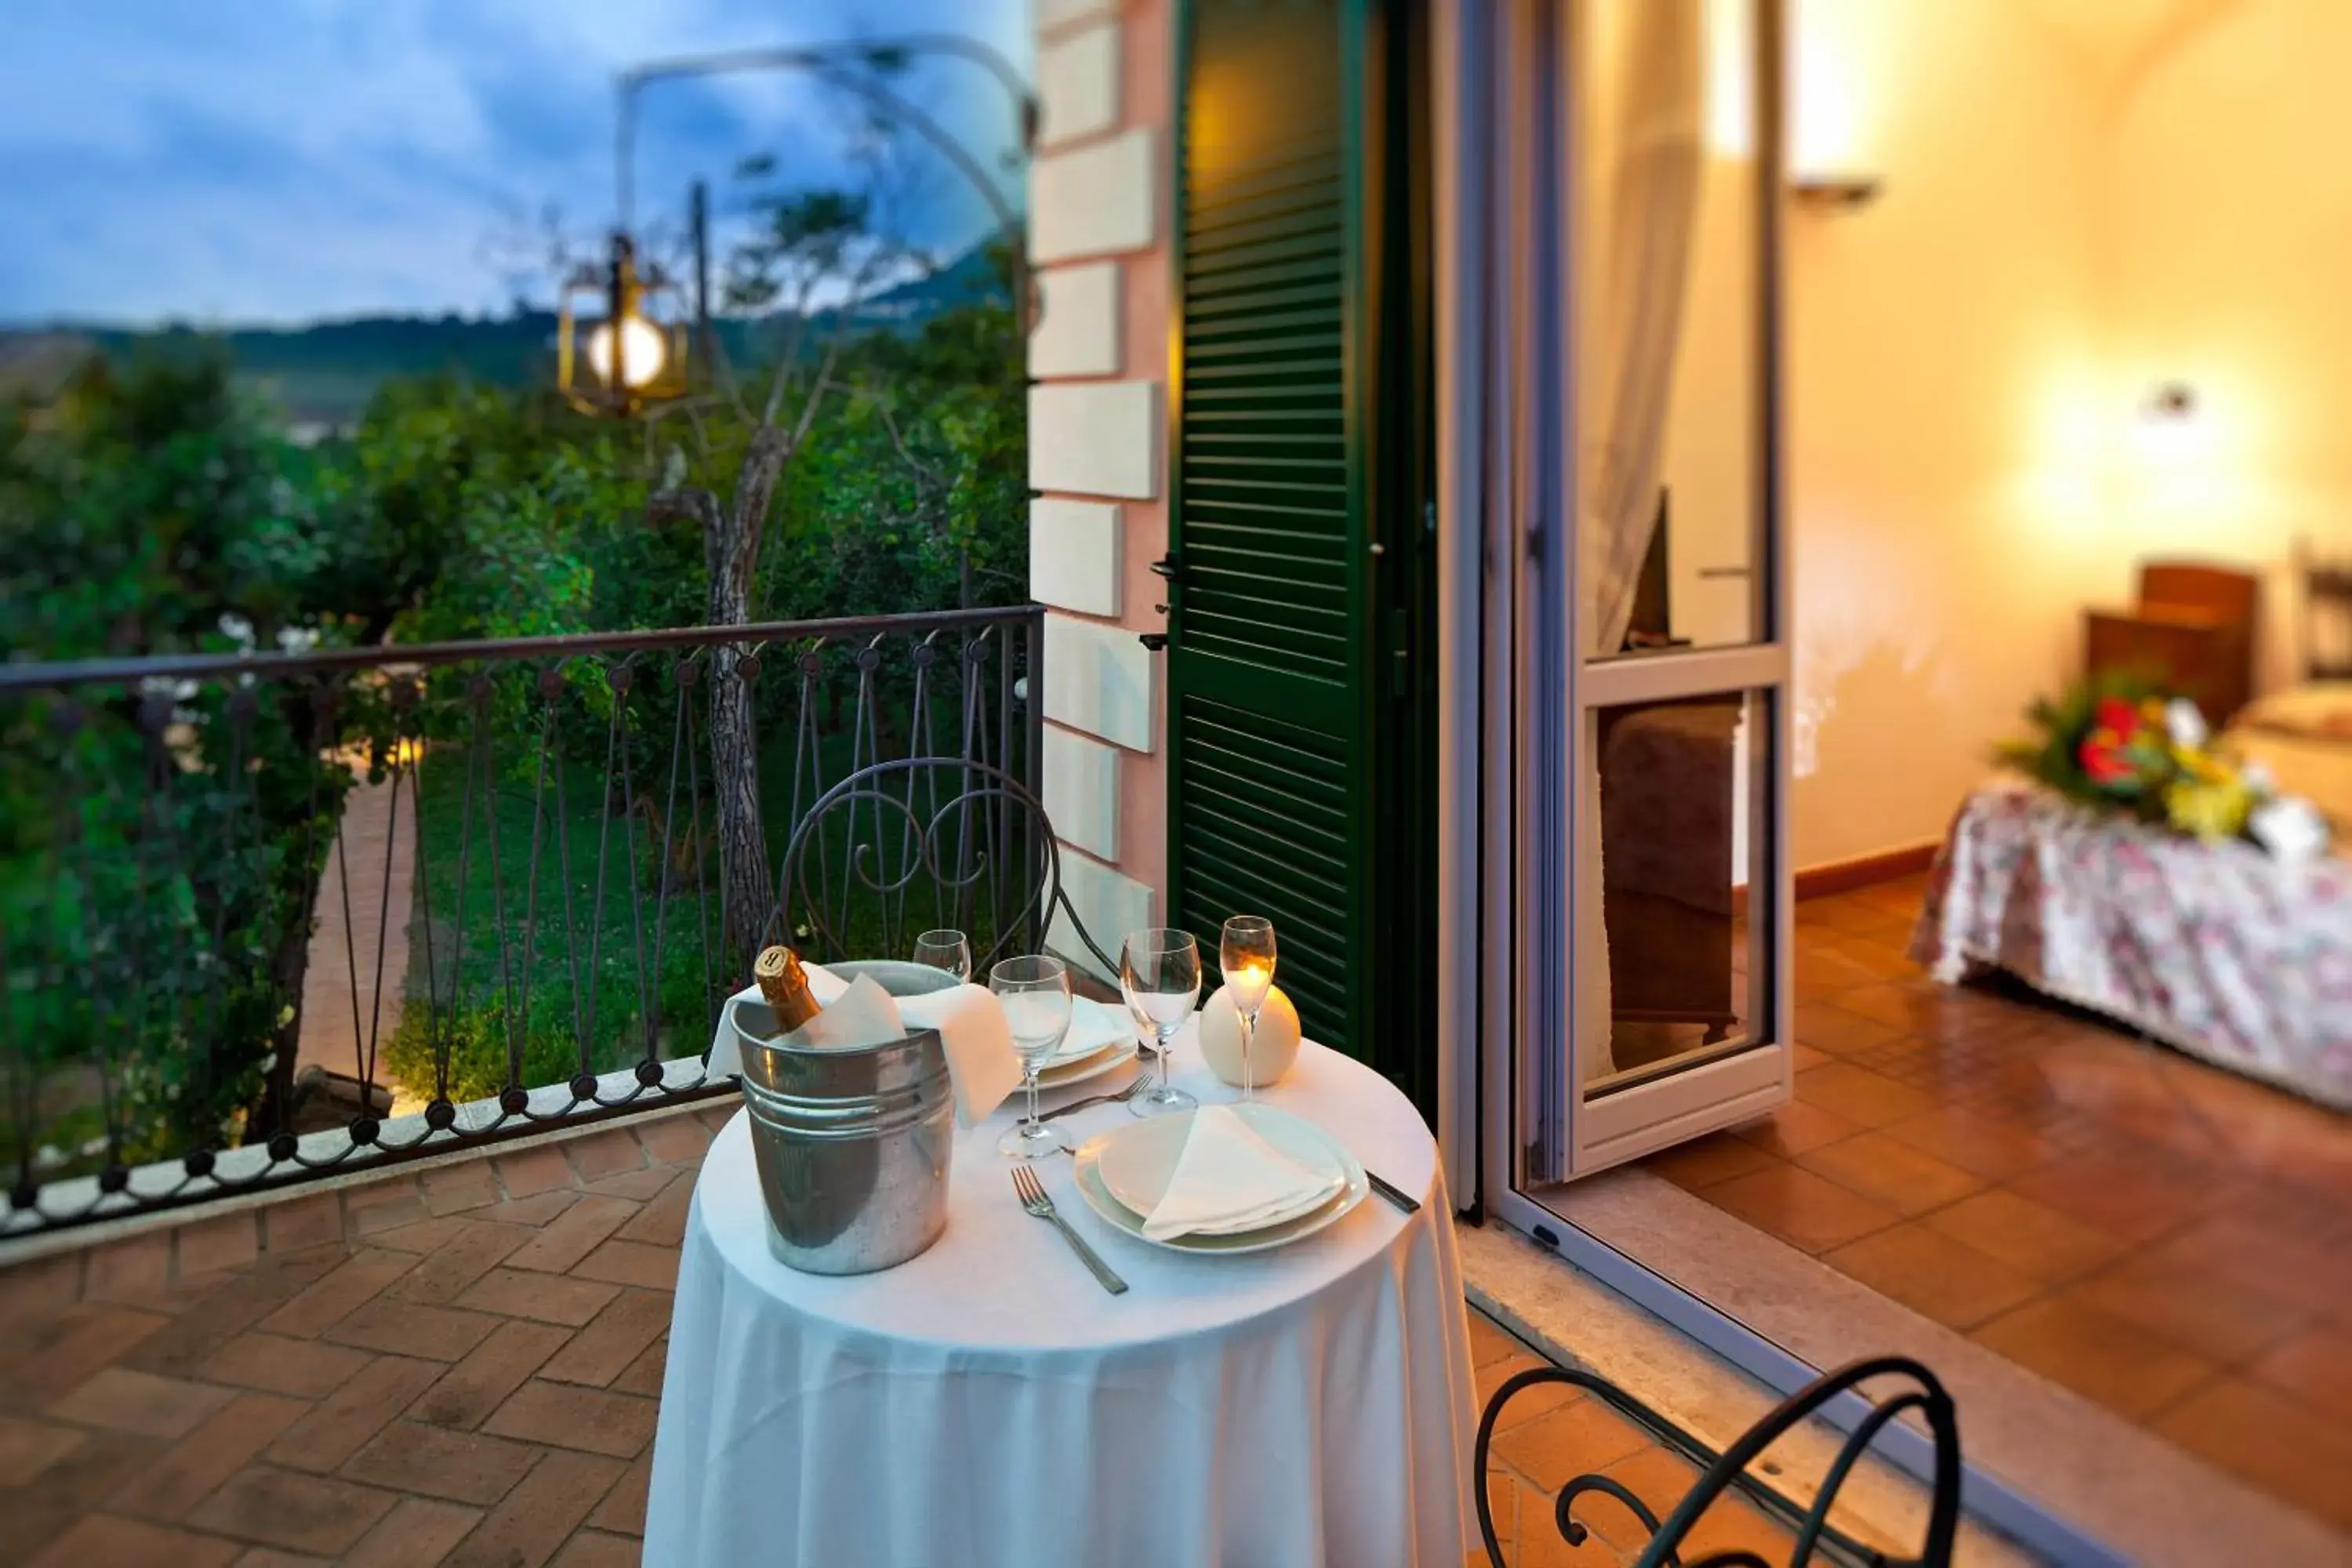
column 863, row 1015
column 980, row 1061
column 1229, row 1179
column 1093, row 1025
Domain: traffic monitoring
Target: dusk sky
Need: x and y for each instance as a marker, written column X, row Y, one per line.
column 281, row 161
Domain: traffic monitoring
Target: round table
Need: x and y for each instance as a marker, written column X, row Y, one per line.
column 989, row 1403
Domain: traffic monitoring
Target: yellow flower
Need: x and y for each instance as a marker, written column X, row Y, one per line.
column 2210, row 806
column 2153, row 710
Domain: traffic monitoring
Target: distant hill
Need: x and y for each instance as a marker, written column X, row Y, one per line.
column 323, row 375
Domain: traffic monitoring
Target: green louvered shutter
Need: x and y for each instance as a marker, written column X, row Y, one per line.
column 1272, row 647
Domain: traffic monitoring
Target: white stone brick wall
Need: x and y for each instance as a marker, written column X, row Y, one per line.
column 1095, row 193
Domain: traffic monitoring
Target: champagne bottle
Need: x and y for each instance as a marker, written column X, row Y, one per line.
column 785, row 984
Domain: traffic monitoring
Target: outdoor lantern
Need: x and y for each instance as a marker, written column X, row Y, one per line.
column 635, row 354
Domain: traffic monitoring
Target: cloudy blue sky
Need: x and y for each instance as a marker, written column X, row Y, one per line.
column 280, row 161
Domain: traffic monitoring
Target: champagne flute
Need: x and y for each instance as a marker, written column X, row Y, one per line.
column 1160, row 975
column 1246, row 956
column 1036, row 995
column 945, row 950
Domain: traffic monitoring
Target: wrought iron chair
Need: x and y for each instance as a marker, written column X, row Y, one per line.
column 1728, row 1470
column 916, row 843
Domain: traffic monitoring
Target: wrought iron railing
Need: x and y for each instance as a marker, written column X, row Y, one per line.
column 579, row 866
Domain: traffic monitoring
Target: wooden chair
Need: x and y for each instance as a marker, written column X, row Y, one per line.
column 2326, row 639
column 2194, row 630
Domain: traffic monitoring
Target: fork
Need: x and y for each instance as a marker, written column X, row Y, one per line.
column 1033, row 1196
column 1118, row 1097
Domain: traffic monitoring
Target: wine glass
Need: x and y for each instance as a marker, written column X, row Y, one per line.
column 1246, row 956
column 1036, row 995
column 1160, row 975
column 945, row 950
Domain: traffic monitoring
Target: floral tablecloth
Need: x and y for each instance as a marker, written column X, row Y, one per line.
column 2216, row 949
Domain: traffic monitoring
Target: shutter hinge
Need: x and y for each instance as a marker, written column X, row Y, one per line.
column 1401, row 652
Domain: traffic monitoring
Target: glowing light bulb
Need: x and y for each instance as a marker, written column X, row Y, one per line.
column 643, row 350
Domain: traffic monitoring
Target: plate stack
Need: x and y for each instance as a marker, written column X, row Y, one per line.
column 1222, row 1179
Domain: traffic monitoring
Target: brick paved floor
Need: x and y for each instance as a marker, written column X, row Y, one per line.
column 459, row 1367
column 463, row 1366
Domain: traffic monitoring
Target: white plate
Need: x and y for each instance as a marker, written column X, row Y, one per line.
column 1303, row 1140
column 1139, row 1162
column 1060, row 1073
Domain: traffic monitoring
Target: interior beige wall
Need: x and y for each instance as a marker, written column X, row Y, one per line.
column 1942, row 344
column 2231, row 205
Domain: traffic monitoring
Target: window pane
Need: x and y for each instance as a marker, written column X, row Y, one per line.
column 1680, row 798
column 1672, row 503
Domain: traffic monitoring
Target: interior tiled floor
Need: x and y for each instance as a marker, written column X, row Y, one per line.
column 2166, row 1238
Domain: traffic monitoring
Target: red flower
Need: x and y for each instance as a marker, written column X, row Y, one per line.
column 2121, row 717
column 2106, row 760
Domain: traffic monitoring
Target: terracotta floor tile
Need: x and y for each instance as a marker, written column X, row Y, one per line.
column 2265, row 1438
column 1993, row 1144
column 28, row 1447
column 433, row 1461
column 303, row 1513
column 1828, row 1027
column 2033, row 1238
column 604, row 1348
column 208, row 1456
column 1702, row 1162
column 1930, row 1273
column 2314, row 1370
column 564, row 1416
column 1806, row 1211
column 417, row 1533
column 2133, row 1200
column 1536, row 1399
column 122, row 1400
column 595, row 1549
column 1583, row 1436
column 670, row 1139
column 525, row 1171
column 1907, row 1180
column 541, row 1514
column 2287, row 1267
column 126, row 1543
column 1861, row 1096
column 2095, row 1353
column 623, row 1511
column 279, row 1363
column 2207, row 1311
column 1489, row 1341
column 630, row 1263
column 1795, row 1128
column 572, row 1236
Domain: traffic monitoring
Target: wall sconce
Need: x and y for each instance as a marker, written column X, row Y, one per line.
column 1836, row 192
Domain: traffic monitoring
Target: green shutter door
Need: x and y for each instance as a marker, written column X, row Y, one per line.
column 1272, row 647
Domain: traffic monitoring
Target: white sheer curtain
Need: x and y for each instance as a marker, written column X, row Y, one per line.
column 1644, row 153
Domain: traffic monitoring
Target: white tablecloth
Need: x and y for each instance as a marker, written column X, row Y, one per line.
column 988, row 1402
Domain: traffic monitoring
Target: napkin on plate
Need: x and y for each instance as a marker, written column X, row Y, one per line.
column 1093, row 1025
column 980, row 1061
column 1228, row 1179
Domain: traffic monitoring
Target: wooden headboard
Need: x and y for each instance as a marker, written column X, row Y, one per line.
column 2327, row 613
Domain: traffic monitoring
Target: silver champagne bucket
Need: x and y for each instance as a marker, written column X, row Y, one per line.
column 852, row 1145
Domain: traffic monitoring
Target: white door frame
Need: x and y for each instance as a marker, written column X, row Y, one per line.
column 1497, row 70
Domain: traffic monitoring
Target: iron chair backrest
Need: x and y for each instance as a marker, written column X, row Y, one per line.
column 918, row 843
column 1917, row 1392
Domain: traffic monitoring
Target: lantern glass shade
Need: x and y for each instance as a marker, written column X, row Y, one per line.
column 644, row 353
column 621, row 338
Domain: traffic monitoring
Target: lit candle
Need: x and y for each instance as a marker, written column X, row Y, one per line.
column 1250, row 981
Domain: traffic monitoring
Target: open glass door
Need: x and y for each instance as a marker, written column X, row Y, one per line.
column 1647, row 662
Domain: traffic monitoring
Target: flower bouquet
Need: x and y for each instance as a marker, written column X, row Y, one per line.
column 2119, row 743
